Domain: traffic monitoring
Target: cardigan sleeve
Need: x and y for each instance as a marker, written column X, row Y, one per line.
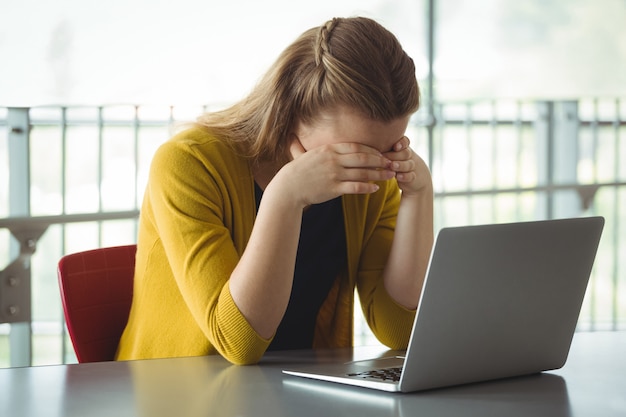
column 390, row 322
column 191, row 198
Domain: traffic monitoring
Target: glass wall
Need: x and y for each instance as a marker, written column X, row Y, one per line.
column 186, row 52
column 532, row 49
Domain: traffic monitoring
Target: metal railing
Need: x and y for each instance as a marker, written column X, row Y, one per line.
column 72, row 178
column 543, row 160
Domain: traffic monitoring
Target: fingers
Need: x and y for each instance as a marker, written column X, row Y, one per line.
column 356, row 187
column 400, row 151
column 354, row 147
column 363, row 175
column 401, row 158
column 341, row 148
column 407, row 165
column 411, row 171
column 403, row 143
column 347, row 155
column 356, row 163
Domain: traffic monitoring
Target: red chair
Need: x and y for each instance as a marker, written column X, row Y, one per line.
column 96, row 291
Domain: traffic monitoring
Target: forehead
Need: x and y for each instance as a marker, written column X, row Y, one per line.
column 346, row 125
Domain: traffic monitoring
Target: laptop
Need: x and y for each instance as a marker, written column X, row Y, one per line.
column 498, row 301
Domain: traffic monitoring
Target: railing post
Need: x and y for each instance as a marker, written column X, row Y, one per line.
column 19, row 205
column 566, row 156
column 556, row 131
column 431, row 121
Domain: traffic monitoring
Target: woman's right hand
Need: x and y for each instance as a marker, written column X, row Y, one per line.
column 328, row 171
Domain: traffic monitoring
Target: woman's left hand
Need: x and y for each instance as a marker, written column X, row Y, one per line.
column 412, row 174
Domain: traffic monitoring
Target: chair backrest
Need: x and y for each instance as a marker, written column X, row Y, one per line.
column 96, row 291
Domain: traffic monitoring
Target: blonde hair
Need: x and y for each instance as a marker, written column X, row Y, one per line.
column 347, row 61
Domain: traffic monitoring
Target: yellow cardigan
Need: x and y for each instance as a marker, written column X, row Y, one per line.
column 197, row 215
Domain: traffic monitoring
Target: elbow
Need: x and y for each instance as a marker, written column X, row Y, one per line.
column 243, row 359
column 242, row 351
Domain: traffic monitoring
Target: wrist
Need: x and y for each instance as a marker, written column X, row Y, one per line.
column 280, row 194
column 425, row 192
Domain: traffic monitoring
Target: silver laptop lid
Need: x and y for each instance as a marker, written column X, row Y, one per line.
column 500, row 300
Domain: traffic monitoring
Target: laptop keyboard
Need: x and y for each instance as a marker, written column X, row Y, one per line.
column 385, row 374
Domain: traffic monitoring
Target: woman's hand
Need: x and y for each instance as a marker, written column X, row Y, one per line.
column 411, row 171
column 329, row 171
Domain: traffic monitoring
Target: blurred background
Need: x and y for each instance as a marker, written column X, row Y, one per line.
column 523, row 118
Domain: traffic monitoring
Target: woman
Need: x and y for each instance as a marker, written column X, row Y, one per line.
column 259, row 222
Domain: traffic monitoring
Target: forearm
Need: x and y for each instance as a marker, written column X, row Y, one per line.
column 261, row 283
column 410, row 251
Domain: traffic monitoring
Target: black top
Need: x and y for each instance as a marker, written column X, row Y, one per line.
column 321, row 255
